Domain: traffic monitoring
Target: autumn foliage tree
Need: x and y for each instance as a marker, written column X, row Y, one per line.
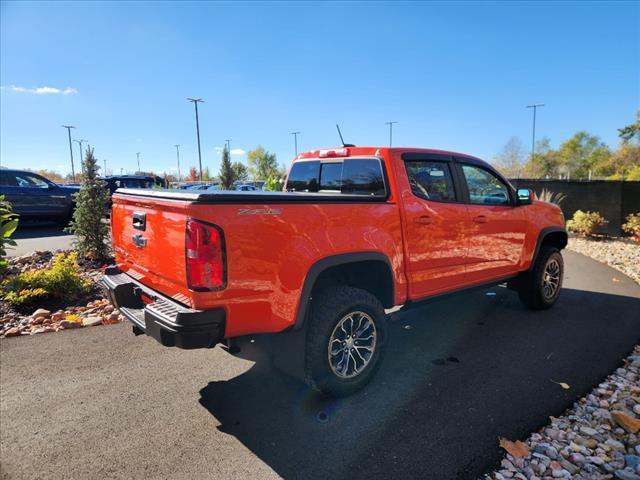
column 193, row 175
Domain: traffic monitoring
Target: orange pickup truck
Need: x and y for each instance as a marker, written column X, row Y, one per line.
column 357, row 230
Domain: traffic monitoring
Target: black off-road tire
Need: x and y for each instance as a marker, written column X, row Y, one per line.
column 531, row 286
column 329, row 307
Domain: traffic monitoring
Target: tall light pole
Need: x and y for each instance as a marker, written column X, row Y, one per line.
column 295, row 141
column 195, row 102
column 138, row 155
column 390, row 132
column 533, row 139
column 104, row 161
column 178, row 156
column 228, row 142
column 73, row 170
column 80, row 142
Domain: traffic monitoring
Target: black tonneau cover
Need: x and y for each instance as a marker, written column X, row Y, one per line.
column 233, row 196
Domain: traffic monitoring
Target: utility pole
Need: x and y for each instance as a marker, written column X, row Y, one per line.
column 533, row 139
column 195, row 102
column 390, row 132
column 228, row 142
column 138, row 155
column 295, row 141
column 178, row 155
column 104, row 160
column 73, row 170
column 80, row 142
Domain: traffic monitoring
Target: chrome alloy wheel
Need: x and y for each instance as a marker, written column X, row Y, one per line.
column 551, row 279
column 352, row 344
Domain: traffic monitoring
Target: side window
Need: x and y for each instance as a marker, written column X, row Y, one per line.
column 30, row 181
column 431, row 180
column 7, row 180
column 303, row 177
column 484, row 187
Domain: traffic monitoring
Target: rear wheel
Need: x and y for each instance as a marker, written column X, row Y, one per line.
column 345, row 340
column 540, row 288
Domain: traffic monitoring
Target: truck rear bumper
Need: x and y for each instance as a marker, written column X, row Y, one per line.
column 168, row 322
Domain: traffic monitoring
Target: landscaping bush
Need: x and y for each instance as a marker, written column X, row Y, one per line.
column 632, row 226
column 586, row 223
column 551, row 197
column 87, row 225
column 61, row 281
column 8, row 225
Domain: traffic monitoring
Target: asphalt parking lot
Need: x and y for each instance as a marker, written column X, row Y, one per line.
column 459, row 373
column 33, row 236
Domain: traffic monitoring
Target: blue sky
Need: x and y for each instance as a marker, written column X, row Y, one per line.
column 455, row 76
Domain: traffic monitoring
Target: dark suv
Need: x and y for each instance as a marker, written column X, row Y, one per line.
column 34, row 196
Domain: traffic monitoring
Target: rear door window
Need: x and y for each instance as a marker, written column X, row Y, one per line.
column 8, row 180
column 431, row 180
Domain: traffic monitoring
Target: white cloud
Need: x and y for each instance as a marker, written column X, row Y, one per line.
column 237, row 151
column 41, row 90
column 219, row 149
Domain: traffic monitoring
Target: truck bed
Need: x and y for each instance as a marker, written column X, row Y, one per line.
column 272, row 240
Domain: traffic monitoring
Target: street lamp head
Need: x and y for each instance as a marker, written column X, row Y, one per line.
column 195, row 100
column 535, row 105
column 68, row 126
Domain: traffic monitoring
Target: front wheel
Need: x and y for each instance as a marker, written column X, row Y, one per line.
column 345, row 340
column 540, row 288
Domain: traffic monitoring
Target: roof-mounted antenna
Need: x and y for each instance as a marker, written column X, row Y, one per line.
column 342, row 139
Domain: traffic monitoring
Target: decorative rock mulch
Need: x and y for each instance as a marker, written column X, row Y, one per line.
column 621, row 254
column 96, row 311
column 599, row 438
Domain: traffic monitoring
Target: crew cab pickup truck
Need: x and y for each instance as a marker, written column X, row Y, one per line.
column 357, row 230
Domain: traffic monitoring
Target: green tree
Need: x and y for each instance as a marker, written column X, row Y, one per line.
column 581, row 154
column 227, row 176
column 87, row 225
column 545, row 161
column 262, row 164
column 630, row 132
column 240, row 171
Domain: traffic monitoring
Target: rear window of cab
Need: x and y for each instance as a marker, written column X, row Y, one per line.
column 355, row 176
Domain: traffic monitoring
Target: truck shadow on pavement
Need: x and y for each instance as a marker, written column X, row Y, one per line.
column 458, row 374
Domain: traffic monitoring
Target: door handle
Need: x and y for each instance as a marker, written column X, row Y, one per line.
column 423, row 220
column 480, row 219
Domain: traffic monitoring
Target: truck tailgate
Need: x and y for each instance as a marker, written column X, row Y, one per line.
column 149, row 242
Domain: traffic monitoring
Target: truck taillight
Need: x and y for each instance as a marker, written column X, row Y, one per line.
column 205, row 256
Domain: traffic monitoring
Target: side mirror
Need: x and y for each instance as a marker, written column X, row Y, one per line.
column 525, row 196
